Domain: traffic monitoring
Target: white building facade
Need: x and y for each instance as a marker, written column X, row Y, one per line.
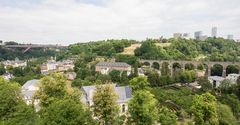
column 233, row 78
column 29, row 90
column 215, row 81
column 124, row 93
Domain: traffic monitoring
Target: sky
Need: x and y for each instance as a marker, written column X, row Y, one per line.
column 70, row 21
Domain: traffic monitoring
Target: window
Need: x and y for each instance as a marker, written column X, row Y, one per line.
column 123, row 108
column 214, row 84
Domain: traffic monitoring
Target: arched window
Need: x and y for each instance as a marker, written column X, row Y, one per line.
column 123, row 108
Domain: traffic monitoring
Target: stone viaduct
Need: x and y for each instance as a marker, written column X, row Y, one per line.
column 194, row 63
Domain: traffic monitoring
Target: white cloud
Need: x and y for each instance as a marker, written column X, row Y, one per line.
column 69, row 21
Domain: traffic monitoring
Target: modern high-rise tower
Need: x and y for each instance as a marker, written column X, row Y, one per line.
column 177, row 35
column 230, row 37
column 214, row 32
column 198, row 35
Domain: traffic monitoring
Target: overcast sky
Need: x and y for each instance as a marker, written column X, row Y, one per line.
column 70, row 21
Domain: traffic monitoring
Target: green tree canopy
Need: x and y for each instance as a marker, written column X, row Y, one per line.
column 105, row 105
column 167, row 117
column 139, row 83
column 2, row 69
column 56, row 87
column 205, row 84
column 204, row 108
column 115, row 76
column 233, row 102
column 52, row 87
column 67, row 112
column 143, row 108
column 225, row 115
column 14, row 110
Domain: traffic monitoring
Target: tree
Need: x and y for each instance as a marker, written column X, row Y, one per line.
column 130, row 59
column 143, row 108
column 189, row 66
column 139, row 83
column 60, row 104
column 238, row 87
column 77, row 83
column 233, row 102
column 153, row 78
column 14, row 110
column 164, row 69
column 67, row 112
column 187, row 76
column 53, row 87
column 204, row 108
column 103, row 77
column 18, row 71
column 2, row 69
column 225, row 115
column 216, row 70
column 225, row 86
column 82, row 73
column 232, row 69
column 205, row 84
column 115, row 76
column 167, row 117
column 165, row 80
column 238, row 80
column 105, row 105
column 124, row 78
column 79, row 63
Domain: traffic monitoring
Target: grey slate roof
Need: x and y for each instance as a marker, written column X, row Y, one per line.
column 234, row 74
column 216, row 78
column 33, row 82
column 29, row 93
column 113, row 64
column 124, row 93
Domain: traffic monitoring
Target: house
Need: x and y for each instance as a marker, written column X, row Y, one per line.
column 15, row 63
column 71, row 75
column 51, row 65
column 215, row 81
column 7, row 76
column 141, row 72
column 65, row 65
column 124, row 93
column 44, row 69
column 233, row 77
column 61, row 66
column 106, row 67
column 29, row 90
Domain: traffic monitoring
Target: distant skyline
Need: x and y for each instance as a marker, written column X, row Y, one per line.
column 69, row 21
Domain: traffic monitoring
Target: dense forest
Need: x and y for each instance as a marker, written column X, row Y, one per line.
column 101, row 48
column 212, row 49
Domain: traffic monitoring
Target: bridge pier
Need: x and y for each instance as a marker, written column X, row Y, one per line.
column 170, row 67
column 209, row 71
column 224, row 73
column 183, row 66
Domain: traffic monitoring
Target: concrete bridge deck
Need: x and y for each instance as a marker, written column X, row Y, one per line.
column 29, row 46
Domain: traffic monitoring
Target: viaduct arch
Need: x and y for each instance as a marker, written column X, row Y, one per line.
column 194, row 63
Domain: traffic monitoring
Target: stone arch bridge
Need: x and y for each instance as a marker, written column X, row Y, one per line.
column 194, row 63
